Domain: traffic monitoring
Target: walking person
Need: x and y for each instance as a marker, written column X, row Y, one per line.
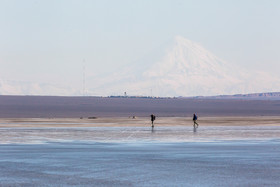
column 153, row 118
column 195, row 124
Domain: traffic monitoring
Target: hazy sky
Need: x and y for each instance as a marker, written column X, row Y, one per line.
column 46, row 41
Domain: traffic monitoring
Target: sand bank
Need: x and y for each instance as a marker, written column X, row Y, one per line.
column 139, row 122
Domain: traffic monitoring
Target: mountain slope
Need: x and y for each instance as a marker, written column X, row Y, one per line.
column 184, row 68
column 177, row 68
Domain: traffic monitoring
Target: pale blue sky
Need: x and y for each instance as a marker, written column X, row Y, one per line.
column 46, row 41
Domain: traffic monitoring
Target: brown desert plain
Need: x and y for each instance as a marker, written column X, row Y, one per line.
column 50, row 111
column 139, row 122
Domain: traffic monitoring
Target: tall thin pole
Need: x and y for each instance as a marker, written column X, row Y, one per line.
column 84, row 79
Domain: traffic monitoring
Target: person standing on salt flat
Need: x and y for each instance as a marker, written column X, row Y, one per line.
column 153, row 118
column 195, row 124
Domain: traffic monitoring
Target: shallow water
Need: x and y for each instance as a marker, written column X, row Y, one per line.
column 34, row 135
column 141, row 164
column 138, row 156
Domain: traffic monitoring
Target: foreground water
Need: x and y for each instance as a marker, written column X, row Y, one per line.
column 33, row 135
column 138, row 156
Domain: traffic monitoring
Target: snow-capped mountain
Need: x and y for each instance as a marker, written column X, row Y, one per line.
column 184, row 68
column 177, row 68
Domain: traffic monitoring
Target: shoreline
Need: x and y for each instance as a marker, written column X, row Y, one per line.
column 139, row 121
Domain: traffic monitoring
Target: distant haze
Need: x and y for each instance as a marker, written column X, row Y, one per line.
column 180, row 67
column 151, row 48
column 183, row 68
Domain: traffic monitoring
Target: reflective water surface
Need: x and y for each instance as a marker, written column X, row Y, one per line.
column 138, row 156
column 137, row 134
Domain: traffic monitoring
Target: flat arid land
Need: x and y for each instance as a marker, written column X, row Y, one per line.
column 79, row 145
column 76, row 107
column 140, row 121
column 138, row 129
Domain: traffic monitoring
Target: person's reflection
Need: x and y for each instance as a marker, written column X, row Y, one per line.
column 153, row 129
column 194, row 129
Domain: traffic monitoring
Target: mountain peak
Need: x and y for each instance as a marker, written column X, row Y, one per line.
column 179, row 38
column 181, row 41
column 191, row 48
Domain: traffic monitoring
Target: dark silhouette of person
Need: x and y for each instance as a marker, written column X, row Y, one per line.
column 195, row 124
column 153, row 118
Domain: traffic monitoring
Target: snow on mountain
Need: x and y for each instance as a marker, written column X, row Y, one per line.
column 9, row 87
column 184, row 68
column 177, row 68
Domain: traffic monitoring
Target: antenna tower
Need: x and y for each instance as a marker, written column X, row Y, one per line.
column 84, row 79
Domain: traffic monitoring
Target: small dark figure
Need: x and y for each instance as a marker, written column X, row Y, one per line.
column 153, row 118
column 195, row 124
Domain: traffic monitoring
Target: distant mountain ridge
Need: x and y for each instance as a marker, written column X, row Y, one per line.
column 11, row 87
column 257, row 96
column 272, row 94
